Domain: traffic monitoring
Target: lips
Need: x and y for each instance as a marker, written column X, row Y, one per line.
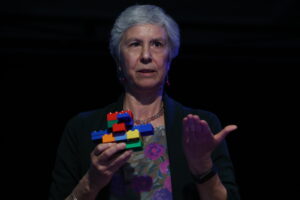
column 146, row 70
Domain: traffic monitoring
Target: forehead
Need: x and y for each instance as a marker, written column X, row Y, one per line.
column 145, row 31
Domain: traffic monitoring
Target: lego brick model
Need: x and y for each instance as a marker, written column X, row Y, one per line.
column 120, row 128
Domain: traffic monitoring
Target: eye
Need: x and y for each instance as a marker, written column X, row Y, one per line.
column 134, row 44
column 157, row 44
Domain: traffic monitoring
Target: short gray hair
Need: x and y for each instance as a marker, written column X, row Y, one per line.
column 144, row 14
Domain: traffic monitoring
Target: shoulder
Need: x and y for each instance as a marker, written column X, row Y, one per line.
column 93, row 118
column 210, row 117
column 176, row 108
column 179, row 107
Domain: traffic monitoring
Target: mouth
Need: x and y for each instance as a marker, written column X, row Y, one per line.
column 146, row 71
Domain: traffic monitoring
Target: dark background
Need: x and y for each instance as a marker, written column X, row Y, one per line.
column 238, row 59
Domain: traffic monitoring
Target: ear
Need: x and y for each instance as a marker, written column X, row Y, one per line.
column 119, row 68
column 120, row 73
column 169, row 66
column 116, row 61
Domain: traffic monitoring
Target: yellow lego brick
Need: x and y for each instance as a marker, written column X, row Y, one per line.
column 133, row 135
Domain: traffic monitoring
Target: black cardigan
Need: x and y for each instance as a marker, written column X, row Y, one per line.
column 73, row 155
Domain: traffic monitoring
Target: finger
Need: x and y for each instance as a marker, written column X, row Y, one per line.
column 192, row 124
column 101, row 147
column 185, row 128
column 205, row 127
column 198, row 124
column 189, row 127
column 108, row 153
column 224, row 132
column 196, row 127
column 120, row 160
column 203, row 136
column 185, row 124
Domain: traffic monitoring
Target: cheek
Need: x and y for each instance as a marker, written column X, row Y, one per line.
column 164, row 63
column 131, row 59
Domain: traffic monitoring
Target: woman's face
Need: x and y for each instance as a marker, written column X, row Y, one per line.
column 145, row 56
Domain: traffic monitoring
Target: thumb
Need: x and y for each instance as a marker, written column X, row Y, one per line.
column 224, row 132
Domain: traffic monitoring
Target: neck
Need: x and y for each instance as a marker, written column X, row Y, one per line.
column 143, row 105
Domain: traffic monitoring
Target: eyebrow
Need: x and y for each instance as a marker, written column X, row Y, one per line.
column 139, row 40
column 132, row 39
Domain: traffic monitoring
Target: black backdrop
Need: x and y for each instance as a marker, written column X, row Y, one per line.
column 237, row 59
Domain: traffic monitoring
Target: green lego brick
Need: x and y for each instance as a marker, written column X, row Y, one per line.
column 136, row 146
column 111, row 123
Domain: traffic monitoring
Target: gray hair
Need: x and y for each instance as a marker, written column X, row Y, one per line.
column 144, row 14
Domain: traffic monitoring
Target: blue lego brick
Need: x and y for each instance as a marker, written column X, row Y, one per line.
column 120, row 137
column 97, row 135
column 145, row 129
column 125, row 118
column 129, row 124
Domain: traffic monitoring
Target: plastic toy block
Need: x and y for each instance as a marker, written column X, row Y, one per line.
column 108, row 138
column 144, row 129
column 121, row 137
column 111, row 123
column 97, row 139
column 111, row 116
column 138, row 145
column 119, row 127
column 127, row 111
column 128, row 114
column 97, row 135
column 133, row 135
column 124, row 117
column 129, row 125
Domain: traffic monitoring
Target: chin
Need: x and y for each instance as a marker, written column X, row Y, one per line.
column 149, row 86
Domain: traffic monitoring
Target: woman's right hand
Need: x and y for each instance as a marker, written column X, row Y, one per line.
column 106, row 159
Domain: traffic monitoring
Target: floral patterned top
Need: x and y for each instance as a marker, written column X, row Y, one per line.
column 146, row 175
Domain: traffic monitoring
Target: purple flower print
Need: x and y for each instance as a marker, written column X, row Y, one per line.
column 164, row 166
column 168, row 184
column 162, row 194
column 142, row 183
column 154, row 151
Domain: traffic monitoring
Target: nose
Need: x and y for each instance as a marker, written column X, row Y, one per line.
column 146, row 56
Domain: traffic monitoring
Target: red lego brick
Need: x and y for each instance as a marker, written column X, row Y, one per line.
column 119, row 127
column 112, row 116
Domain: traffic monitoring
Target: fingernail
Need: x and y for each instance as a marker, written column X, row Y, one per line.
column 129, row 152
column 122, row 144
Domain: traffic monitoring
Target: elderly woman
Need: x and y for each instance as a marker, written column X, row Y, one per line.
column 186, row 158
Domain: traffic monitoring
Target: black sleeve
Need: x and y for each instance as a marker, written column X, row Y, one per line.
column 66, row 172
column 222, row 161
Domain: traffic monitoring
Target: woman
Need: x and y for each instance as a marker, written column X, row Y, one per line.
column 179, row 161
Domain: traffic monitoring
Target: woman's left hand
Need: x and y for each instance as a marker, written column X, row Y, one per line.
column 199, row 142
